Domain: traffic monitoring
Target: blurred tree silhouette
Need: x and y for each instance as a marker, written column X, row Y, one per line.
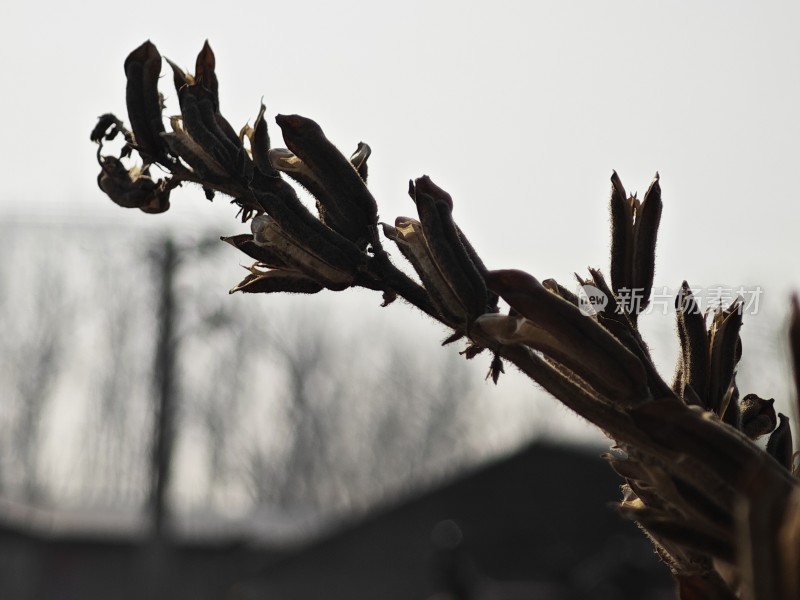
column 34, row 345
column 259, row 416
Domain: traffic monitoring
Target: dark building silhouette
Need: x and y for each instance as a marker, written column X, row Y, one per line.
column 537, row 525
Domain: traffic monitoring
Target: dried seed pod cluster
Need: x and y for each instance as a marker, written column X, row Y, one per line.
column 723, row 512
column 634, row 229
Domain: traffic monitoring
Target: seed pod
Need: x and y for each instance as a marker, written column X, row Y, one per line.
column 683, row 432
column 410, row 239
column 725, row 351
column 647, row 220
column 560, row 330
column 448, row 253
column 204, row 73
column 621, row 236
column 475, row 259
column 516, row 329
column 142, row 69
column 757, row 416
column 620, row 325
column 474, row 262
column 297, row 221
column 205, row 76
column 425, row 185
column 779, row 445
column 694, row 344
column 260, row 144
column 329, row 211
column 634, row 231
column 345, row 187
column 180, row 144
column 200, row 121
column 323, row 267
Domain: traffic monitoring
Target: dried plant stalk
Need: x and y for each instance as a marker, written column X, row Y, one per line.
column 721, row 511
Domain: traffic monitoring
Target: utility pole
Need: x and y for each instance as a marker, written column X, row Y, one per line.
column 165, row 388
column 156, row 552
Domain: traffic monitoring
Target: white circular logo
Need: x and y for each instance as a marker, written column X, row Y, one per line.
column 591, row 300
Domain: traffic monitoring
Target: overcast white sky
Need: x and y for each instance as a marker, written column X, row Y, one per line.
column 521, row 110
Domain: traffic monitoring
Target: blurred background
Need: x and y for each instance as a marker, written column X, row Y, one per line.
column 159, row 436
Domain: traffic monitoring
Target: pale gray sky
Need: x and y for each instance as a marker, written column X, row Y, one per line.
column 520, row 111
